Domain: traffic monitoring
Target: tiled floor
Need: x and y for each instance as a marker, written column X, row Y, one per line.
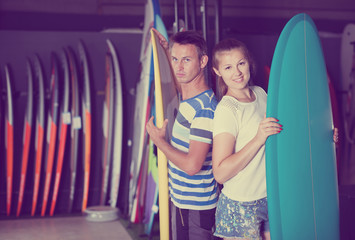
column 61, row 228
column 78, row 228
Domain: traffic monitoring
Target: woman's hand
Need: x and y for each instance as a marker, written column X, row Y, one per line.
column 267, row 127
column 336, row 135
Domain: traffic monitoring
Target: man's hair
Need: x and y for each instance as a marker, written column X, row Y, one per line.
column 190, row 37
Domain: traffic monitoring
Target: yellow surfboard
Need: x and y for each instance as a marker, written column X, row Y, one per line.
column 166, row 106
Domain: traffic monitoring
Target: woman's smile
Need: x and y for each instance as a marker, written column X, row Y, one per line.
column 238, row 80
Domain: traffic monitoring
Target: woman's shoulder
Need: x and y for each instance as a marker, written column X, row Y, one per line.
column 258, row 89
column 260, row 92
column 228, row 103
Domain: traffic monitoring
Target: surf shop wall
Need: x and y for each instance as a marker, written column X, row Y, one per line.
column 24, row 50
column 18, row 47
column 37, row 38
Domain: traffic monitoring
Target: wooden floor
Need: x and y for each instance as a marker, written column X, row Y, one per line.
column 61, row 228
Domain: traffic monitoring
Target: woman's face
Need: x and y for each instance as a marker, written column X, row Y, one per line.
column 234, row 69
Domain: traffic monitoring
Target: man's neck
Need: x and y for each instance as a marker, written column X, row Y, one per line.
column 194, row 88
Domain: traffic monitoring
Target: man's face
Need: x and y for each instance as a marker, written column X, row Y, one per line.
column 185, row 62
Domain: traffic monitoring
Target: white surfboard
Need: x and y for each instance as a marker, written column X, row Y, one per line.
column 27, row 131
column 9, row 140
column 86, row 115
column 107, row 124
column 117, row 138
column 140, row 116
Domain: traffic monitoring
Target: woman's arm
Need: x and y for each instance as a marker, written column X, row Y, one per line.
column 226, row 162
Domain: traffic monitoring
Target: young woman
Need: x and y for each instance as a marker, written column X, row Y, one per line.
column 240, row 130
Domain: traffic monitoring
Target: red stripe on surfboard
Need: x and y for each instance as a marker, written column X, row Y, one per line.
column 87, row 159
column 26, row 148
column 63, row 136
column 10, row 158
column 40, row 134
column 49, row 167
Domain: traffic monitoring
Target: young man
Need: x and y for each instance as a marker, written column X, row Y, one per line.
column 193, row 189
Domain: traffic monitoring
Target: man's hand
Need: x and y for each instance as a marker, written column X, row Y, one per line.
column 163, row 42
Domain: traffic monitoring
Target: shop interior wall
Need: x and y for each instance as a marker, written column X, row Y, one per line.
column 15, row 48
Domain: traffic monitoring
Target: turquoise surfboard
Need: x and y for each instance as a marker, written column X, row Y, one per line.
column 300, row 161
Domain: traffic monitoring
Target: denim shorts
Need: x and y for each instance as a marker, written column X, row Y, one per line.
column 236, row 219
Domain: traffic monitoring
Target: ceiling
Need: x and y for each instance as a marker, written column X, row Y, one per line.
column 332, row 15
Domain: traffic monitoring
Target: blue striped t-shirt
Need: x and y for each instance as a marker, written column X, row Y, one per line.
column 194, row 122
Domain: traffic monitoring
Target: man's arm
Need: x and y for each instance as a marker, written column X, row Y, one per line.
column 190, row 162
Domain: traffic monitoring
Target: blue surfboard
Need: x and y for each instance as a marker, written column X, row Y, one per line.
column 300, row 161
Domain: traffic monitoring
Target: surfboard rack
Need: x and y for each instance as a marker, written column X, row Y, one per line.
column 349, row 124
